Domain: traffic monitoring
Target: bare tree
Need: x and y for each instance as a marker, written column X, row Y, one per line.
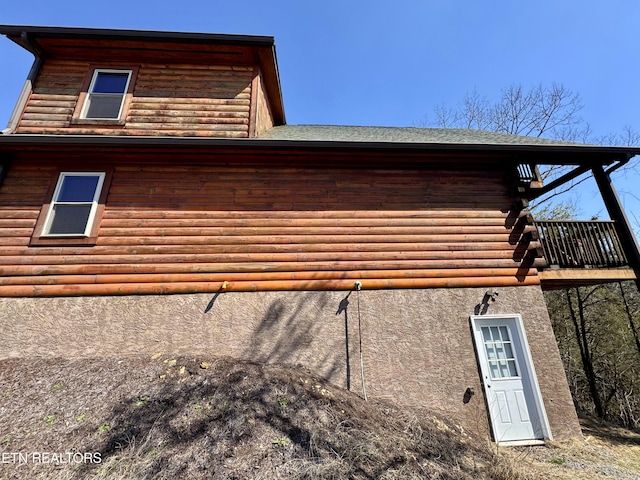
column 584, row 337
column 597, row 332
column 473, row 113
column 536, row 112
column 628, row 136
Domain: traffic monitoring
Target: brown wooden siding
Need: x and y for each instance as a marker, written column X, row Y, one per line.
column 189, row 229
column 170, row 99
column 264, row 117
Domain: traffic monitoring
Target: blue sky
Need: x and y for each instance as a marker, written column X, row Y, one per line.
column 390, row 62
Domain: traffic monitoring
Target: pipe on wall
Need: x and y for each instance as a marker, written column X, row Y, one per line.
column 256, row 286
column 27, row 88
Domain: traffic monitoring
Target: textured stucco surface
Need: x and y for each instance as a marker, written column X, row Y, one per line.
column 417, row 346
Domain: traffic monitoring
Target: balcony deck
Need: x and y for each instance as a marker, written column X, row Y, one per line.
column 581, row 253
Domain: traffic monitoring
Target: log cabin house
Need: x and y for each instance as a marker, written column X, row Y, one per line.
column 154, row 200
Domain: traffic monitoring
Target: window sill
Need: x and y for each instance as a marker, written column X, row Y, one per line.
column 63, row 241
column 98, row 121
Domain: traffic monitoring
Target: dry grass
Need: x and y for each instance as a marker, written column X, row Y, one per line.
column 220, row 419
column 606, row 452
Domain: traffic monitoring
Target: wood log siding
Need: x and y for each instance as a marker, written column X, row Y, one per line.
column 263, row 114
column 175, row 100
column 172, row 229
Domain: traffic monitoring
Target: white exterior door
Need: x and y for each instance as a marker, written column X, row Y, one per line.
column 511, row 388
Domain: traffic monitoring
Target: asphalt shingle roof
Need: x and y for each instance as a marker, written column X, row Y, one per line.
column 336, row 133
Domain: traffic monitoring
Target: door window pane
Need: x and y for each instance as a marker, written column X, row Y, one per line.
column 508, row 350
column 495, row 334
column 491, row 353
column 499, row 352
column 504, row 334
column 504, row 369
column 486, row 334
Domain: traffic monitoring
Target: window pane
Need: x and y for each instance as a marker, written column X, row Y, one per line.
column 495, row 334
column 491, row 353
column 78, row 188
column 109, row 82
column 504, row 370
column 69, row 219
column 513, row 372
column 486, row 335
column 495, row 371
column 509, row 350
column 104, row 106
column 505, row 333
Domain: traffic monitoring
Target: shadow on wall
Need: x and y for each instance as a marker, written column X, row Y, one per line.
column 343, row 308
column 482, row 308
column 301, row 329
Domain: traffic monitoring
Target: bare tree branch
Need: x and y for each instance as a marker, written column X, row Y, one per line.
column 539, row 111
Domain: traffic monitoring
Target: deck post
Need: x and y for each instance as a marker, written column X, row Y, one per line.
column 617, row 213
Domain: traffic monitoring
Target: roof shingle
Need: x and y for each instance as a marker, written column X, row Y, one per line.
column 458, row 136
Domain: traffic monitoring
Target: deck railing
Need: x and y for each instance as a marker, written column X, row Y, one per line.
column 581, row 244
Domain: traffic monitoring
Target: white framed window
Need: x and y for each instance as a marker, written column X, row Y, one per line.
column 106, row 94
column 74, row 204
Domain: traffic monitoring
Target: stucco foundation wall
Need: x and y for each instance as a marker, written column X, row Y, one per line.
column 417, row 344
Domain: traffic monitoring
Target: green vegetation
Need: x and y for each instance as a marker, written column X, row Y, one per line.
column 556, row 460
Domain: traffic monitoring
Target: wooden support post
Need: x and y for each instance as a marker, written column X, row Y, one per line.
column 617, row 213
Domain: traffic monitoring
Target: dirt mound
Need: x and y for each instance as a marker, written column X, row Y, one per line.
column 214, row 418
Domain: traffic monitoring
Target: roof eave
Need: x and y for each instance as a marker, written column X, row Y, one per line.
column 15, row 31
column 553, row 154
